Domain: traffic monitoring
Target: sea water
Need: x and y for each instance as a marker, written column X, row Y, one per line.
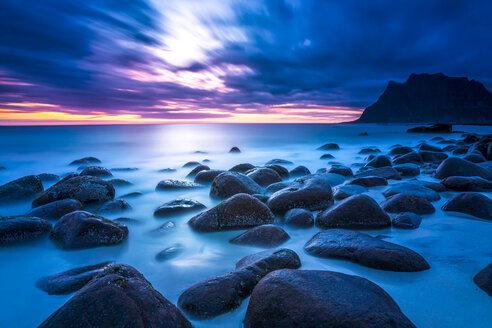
column 456, row 247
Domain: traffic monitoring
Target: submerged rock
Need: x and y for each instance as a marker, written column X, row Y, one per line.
column 329, row 146
column 369, row 150
column 169, row 253
column 455, row 166
column 115, row 205
column 82, row 229
column 342, row 192
column 413, row 188
column 327, row 156
column 119, row 296
column 383, row 172
column 228, row 184
column 278, row 161
column 366, row 250
column 436, row 128
column 483, row 279
column 264, row 176
column 134, row 194
column 241, row 211
column 120, row 183
column 96, row 171
column 471, row 203
column 178, row 206
column 86, row 160
column 267, row 235
column 234, row 150
column 299, row 218
column 207, row 176
column 17, row 229
column 407, row 220
column 20, row 189
column 467, row 184
column 369, row 181
column 171, row 184
column 433, row 156
column 191, row 164
column 56, row 209
column 312, row 299
column 400, row 203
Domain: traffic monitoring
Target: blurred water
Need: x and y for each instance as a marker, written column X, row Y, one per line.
column 456, row 247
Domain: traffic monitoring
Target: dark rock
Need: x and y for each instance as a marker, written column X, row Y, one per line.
column 115, row 205
column 363, row 134
column 169, row 253
column 354, row 212
column 342, row 170
column 426, row 147
column 86, row 160
column 55, row 210
column 329, row 146
column 197, row 169
column 475, row 158
column 342, row 192
column 467, row 184
column 408, row 169
column 20, row 189
column 261, row 198
column 412, row 157
column 128, row 221
column 85, row 189
column 312, row 299
column 171, row 184
column 163, row 229
column 299, row 171
column 433, row 156
column 48, row 177
column 17, row 229
column 96, row 171
column 455, row 166
column 241, row 211
column 369, row 150
column 483, row 279
column 369, row 182
column 436, row 128
column 224, row 293
column 207, row 176
column 267, row 235
column 228, row 184
column 234, row 150
column 274, row 187
column 282, row 171
column 383, row 172
column 241, row 168
column 299, row 218
column 178, row 206
column 311, row 194
column 264, row 176
column 120, row 183
column 124, row 169
column 460, row 151
column 379, row 161
column 369, row 158
column 400, row 150
column 327, row 156
column 132, row 194
column 167, row 170
column 70, row 281
column 191, row 164
column 119, row 296
column 366, row 250
column 278, row 161
column 400, row 203
column 413, row 188
column 82, row 229
column 471, row 203
column 407, row 220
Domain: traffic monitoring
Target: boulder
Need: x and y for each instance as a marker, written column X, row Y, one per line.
column 264, row 176
column 312, row 299
column 407, row 169
column 299, row 218
column 171, row 184
column 342, row 192
column 455, row 166
column 282, row 171
column 329, row 146
column 48, row 177
column 207, row 176
column 178, row 206
column 56, row 209
column 471, row 203
column 17, row 229
column 412, row 157
column 114, row 206
column 413, row 188
column 134, row 194
column 407, row 220
column 369, row 150
column 383, row 172
column 96, row 171
column 119, row 296
column 299, row 171
column 400, row 203
column 361, row 248
column 85, row 189
column 475, row 157
column 483, row 279
column 197, row 169
column 228, row 184
column 120, row 183
column 327, row 156
column 369, row 181
column 354, row 212
column 342, row 170
column 433, row 156
column 234, row 150
column 82, row 229
column 20, row 189
column 467, row 184
column 169, row 253
column 241, row 168
column 426, row 147
column 241, row 211
column 274, row 187
column 400, row 150
column 436, row 128
column 86, row 160
column 267, row 235
column 191, row 164
column 379, row 161
column 279, row 161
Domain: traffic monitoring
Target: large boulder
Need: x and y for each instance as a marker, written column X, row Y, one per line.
column 483, row 279
column 207, row 176
column 224, row 293
column 20, row 189
column 85, row 189
column 299, row 171
column 471, row 203
column 119, row 296
column 436, row 128
column 412, row 157
column 17, row 229
column 407, row 169
column 467, row 184
column 400, row 203
column 228, row 184
column 178, row 206
column 455, row 166
column 311, row 299
column 366, row 250
column 413, row 188
column 267, row 235
column 96, row 171
column 312, row 194
column 82, row 229
column 345, row 191
column 379, row 161
column 56, row 209
column 299, row 218
column 354, row 212
column 264, row 176
column 241, row 211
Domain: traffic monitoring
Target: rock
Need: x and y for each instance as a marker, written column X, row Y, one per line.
column 228, row 184
column 82, row 229
column 383, row 172
column 299, row 218
column 412, row 157
column 241, row 168
column 85, row 189
column 436, row 128
column 178, row 206
column 400, row 150
column 171, row 184
column 17, row 229
column 115, row 205
column 124, row 169
column 196, row 170
column 96, row 171
column 471, row 203
column 408, row 169
column 20, row 189
column 310, row 194
column 413, row 188
column 299, row 171
column 163, row 229
column 342, row 170
column 329, row 146
column 361, row 248
column 369, row 150
column 369, row 182
column 264, row 176
column 363, row 134
column 460, row 151
column 134, row 194
column 327, row 156
column 48, row 177
column 407, row 203
column 369, row 158
column 262, row 198
column 70, row 281
column 234, row 150
column 267, row 235
column 86, row 160
column 334, row 179
column 436, row 186
column 224, row 293
column 426, row 147
column 475, row 158
column 467, row 184
column 354, row 212
column 55, row 210
column 120, row 183
column 379, row 161
column 407, row 220
column 119, row 296
column 191, row 164
column 483, row 279
column 282, row 171
column 207, row 176
column 274, row 187
column 455, row 166
column 311, row 299
column 342, row 192
column 241, row 211
column 433, row 156
column 167, row 170
column 169, row 253
column 278, row 161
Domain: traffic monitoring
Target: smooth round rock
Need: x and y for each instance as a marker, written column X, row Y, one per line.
column 17, row 229
column 178, row 206
column 96, row 171
column 172, row 184
column 455, row 166
column 267, row 235
column 345, row 191
column 299, row 218
column 379, row 161
column 407, row 220
column 56, row 209
column 400, row 203
column 471, row 203
column 483, row 279
column 228, row 184
column 264, row 176
column 114, row 206
column 21, row 189
column 370, row 181
column 299, row 171
column 207, row 176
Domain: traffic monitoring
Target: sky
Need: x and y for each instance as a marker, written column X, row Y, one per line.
column 241, row 61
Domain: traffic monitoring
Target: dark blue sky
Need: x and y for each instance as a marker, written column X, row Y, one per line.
column 228, row 60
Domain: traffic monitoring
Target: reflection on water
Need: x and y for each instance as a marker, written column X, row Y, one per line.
column 455, row 247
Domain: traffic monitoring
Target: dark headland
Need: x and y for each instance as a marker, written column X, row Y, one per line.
column 432, row 98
